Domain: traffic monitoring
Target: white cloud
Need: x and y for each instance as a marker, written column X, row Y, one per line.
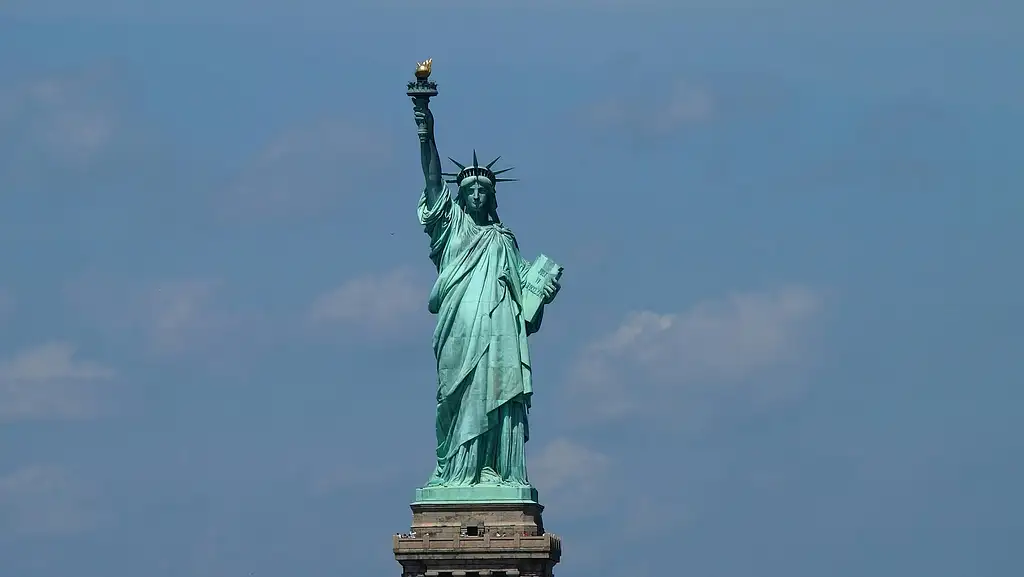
column 306, row 168
column 171, row 317
column 64, row 121
column 353, row 475
column 379, row 302
column 653, row 359
column 681, row 105
column 570, row 475
column 43, row 499
column 48, row 382
column 49, row 362
column 180, row 314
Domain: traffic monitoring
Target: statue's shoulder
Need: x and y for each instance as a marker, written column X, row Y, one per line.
column 507, row 232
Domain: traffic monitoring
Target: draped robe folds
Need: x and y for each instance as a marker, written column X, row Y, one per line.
column 484, row 380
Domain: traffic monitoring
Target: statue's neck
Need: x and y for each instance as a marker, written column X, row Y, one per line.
column 481, row 218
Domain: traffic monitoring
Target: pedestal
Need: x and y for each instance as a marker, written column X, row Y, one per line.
column 477, row 540
column 476, row 494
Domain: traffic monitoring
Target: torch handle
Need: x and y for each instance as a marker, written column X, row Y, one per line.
column 421, row 104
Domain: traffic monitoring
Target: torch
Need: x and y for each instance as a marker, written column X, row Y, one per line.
column 422, row 89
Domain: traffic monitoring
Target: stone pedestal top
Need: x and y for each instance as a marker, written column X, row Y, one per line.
column 546, row 546
column 477, row 539
column 476, row 519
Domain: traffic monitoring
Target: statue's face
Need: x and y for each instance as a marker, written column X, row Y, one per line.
column 478, row 193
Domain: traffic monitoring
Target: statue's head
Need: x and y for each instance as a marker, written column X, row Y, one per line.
column 476, row 195
column 476, row 188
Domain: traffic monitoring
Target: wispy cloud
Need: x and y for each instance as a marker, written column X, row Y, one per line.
column 60, row 116
column 378, row 302
column 49, row 382
column 171, row 317
column 654, row 114
column 352, row 475
column 571, row 475
column 45, row 500
column 306, row 168
column 652, row 358
column 181, row 314
column 63, row 123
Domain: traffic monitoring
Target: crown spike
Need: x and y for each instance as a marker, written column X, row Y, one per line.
column 477, row 170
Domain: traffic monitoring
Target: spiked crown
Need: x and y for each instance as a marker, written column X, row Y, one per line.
column 476, row 170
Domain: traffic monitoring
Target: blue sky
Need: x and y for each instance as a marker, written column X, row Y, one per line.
column 789, row 337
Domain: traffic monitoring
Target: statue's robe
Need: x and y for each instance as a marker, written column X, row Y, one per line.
column 483, row 361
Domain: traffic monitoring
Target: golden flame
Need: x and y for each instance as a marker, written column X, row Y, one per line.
column 423, row 68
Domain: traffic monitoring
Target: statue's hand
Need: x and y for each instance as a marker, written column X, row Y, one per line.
column 551, row 291
column 424, row 118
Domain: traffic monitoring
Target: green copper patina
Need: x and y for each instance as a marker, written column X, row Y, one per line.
column 484, row 380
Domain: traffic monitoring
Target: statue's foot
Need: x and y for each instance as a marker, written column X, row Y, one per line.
column 489, row 476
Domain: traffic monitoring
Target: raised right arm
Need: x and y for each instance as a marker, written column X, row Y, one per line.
column 429, row 158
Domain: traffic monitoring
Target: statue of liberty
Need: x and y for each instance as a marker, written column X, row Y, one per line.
column 482, row 302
